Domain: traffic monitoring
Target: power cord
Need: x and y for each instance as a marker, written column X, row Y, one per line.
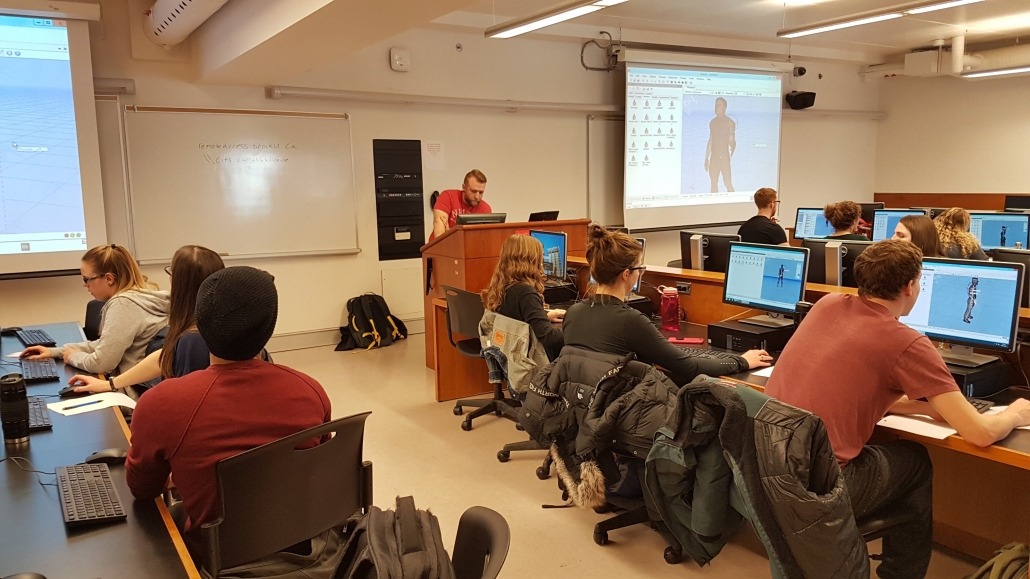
column 15, row 461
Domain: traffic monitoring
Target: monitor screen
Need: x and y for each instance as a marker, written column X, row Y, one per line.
column 969, row 303
column 543, row 216
column 885, row 220
column 994, row 230
column 476, row 218
column 849, row 252
column 868, row 209
column 932, row 212
column 715, row 250
column 1021, row 202
column 1017, row 256
column 811, row 222
column 816, row 259
column 643, row 253
column 768, row 277
column 555, row 244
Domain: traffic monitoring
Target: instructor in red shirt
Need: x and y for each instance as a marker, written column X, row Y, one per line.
column 454, row 202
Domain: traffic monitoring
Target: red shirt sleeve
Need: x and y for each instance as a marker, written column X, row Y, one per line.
column 920, row 371
column 446, row 203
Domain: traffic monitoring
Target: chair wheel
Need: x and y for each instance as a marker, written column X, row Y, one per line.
column 466, row 425
column 601, row 537
column 543, row 473
column 518, row 426
column 458, row 410
column 503, row 455
column 673, row 556
column 498, row 413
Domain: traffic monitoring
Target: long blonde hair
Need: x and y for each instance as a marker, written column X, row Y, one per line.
column 522, row 261
column 117, row 261
column 953, row 231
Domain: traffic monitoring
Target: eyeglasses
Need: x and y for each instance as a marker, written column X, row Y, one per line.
column 86, row 280
column 168, row 270
column 640, row 268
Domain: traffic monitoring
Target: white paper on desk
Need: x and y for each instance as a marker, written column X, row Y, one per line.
column 999, row 409
column 71, row 406
column 916, row 424
column 764, row 372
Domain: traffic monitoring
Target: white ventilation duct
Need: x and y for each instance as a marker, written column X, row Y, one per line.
column 169, row 22
column 1008, row 57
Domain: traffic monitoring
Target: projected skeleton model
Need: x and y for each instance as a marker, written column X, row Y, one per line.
column 971, row 299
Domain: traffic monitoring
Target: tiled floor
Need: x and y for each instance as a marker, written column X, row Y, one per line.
column 418, row 449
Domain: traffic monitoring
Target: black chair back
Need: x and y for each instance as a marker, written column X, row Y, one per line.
column 481, row 544
column 275, row 496
column 91, row 326
column 464, row 312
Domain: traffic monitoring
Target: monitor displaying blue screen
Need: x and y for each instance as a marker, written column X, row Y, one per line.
column 811, row 222
column 970, row 303
column 768, row 277
column 554, row 243
column 995, row 230
column 885, row 220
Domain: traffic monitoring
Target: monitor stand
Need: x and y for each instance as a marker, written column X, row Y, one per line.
column 768, row 321
column 964, row 356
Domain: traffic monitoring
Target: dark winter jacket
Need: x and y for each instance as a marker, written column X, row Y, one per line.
column 727, row 449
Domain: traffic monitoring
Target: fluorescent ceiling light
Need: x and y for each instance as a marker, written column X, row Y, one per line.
column 544, row 18
column 870, row 17
column 996, row 72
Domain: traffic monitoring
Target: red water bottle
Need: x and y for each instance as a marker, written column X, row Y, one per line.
column 670, row 309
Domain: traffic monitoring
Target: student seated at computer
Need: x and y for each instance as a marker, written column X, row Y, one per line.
column 134, row 311
column 516, row 290
column 764, row 227
column 454, row 202
column 956, row 240
column 850, row 362
column 844, row 217
column 184, row 350
column 920, row 231
column 604, row 323
column 184, row 427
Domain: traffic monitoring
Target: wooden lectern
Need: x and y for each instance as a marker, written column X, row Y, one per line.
column 465, row 257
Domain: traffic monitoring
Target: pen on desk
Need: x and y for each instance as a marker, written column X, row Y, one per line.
column 83, row 404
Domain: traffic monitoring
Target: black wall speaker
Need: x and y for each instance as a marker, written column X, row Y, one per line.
column 800, row 100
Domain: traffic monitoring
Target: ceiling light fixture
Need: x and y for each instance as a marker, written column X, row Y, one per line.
column 870, row 17
column 547, row 17
column 996, row 72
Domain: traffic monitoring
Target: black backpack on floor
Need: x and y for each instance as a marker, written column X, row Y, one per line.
column 370, row 324
column 401, row 544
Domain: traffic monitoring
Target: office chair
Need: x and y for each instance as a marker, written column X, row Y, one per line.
column 464, row 311
column 432, row 199
column 481, row 544
column 275, row 496
column 675, row 263
column 91, row 325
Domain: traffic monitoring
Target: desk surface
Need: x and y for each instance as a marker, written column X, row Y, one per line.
column 32, row 532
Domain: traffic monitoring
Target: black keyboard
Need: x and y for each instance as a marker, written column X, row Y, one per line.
column 706, row 353
column 981, row 406
column 39, row 415
column 35, row 338
column 88, row 495
column 39, row 370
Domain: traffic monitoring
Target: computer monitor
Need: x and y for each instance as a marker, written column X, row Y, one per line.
column 868, row 209
column 1017, row 256
column 708, row 252
column 932, row 212
column 477, row 218
column 767, row 277
column 885, row 220
column 555, row 244
column 543, row 216
column 849, row 252
column 643, row 253
column 817, row 257
column 1017, row 202
column 811, row 222
column 968, row 304
column 994, row 230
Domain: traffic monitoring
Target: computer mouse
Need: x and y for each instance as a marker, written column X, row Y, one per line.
column 9, row 332
column 69, row 392
column 107, row 456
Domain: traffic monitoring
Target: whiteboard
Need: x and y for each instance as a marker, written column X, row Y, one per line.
column 244, row 183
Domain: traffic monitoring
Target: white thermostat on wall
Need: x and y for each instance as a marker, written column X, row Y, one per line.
column 400, row 59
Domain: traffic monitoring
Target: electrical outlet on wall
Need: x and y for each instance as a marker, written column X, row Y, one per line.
column 683, row 287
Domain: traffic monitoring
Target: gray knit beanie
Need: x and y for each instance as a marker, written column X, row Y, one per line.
column 236, row 311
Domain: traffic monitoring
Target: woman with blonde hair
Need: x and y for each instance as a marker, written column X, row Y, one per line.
column 920, row 231
column 134, row 311
column 844, row 217
column 516, row 290
column 953, row 231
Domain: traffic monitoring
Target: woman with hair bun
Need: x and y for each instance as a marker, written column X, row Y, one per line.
column 844, row 217
column 604, row 323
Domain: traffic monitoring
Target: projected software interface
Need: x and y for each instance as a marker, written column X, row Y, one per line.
column 996, row 230
column 885, row 220
column 967, row 303
column 768, row 277
column 699, row 137
column 554, row 252
column 40, row 188
column 811, row 222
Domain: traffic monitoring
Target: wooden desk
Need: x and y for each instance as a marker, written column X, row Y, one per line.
column 32, row 532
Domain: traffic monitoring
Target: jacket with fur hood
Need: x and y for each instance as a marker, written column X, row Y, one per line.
column 128, row 321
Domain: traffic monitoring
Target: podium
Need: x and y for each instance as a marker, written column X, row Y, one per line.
column 464, row 257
